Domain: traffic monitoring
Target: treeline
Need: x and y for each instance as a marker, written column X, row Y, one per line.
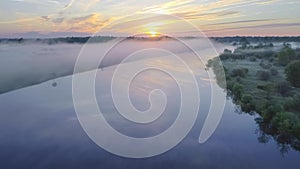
column 50, row 41
column 256, row 39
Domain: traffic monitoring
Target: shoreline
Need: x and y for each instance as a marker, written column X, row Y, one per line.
column 256, row 81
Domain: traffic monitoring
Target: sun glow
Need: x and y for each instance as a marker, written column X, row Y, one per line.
column 152, row 34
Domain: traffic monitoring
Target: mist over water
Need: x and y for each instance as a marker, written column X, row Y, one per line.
column 28, row 64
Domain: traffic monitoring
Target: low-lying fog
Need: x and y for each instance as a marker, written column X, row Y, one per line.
column 28, row 64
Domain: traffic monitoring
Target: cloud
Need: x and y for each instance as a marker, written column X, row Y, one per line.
column 208, row 16
column 69, row 4
column 273, row 25
column 53, row 2
column 241, row 21
column 267, row 2
column 83, row 18
column 46, row 18
column 88, row 23
column 58, row 20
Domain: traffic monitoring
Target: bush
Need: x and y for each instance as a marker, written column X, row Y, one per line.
column 263, row 75
column 269, row 110
column 227, row 51
column 293, row 104
column 237, row 90
column 274, row 71
column 285, row 55
column 266, row 54
column 285, row 122
column 268, row 88
column 241, row 72
column 293, row 73
column 247, row 104
column 265, row 66
column 283, row 88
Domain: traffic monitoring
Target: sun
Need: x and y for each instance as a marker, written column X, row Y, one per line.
column 152, row 34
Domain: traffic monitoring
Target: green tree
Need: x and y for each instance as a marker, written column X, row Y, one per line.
column 286, row 55
column 293, row 73
column 237, row 90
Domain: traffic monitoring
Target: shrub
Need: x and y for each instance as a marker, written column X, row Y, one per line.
column 293, row 73
column 285, row 122
column 267, row 54
column 237, row 90
column 241, row 72
column 265, row 66
column 293, row 104
column 247, row 104
column 263, row 75
column 285, row 55
column 283, row 59
column 269, row 110
column 274, row 71
column 283, row 88
column 269, row 88
column 227, row 51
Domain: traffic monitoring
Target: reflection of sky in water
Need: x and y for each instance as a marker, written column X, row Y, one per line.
column 39, row 129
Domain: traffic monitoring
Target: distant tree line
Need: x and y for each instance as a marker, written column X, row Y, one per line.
column 256, row 39
column 50, row 41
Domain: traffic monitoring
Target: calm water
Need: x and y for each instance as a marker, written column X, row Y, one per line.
column 39, row 128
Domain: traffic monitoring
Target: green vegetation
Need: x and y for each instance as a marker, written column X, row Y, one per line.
column 265, row 80
column 293, row 73
column 52, row 41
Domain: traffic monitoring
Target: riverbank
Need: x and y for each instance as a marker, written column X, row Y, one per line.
column 256, row 78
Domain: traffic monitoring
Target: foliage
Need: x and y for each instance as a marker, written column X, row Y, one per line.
column 240, row 72
column 269, row 109
column 275, row 102
column 265, row 66
column 293, row 73
column 286, row 55
column 263, row 75
column 285, row 122
column 283, row 88
column 237, row 90
column 247, row 103
column 227, row 51
column 274, row 71
column 293, row 104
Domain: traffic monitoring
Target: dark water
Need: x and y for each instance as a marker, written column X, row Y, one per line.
column 39, row 129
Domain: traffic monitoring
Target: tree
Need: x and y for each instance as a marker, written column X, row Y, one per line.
column 293, row 73
column 237, row 90
column 285, row 55
column 247, row 104
column 244, row 42
column 227, row 51
column 269, row 88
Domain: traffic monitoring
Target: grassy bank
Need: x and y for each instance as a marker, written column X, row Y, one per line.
column 264, row 79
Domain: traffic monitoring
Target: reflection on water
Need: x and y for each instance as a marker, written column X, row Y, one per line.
column 39, row 128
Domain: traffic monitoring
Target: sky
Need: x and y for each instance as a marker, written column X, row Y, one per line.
column 55, row 18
